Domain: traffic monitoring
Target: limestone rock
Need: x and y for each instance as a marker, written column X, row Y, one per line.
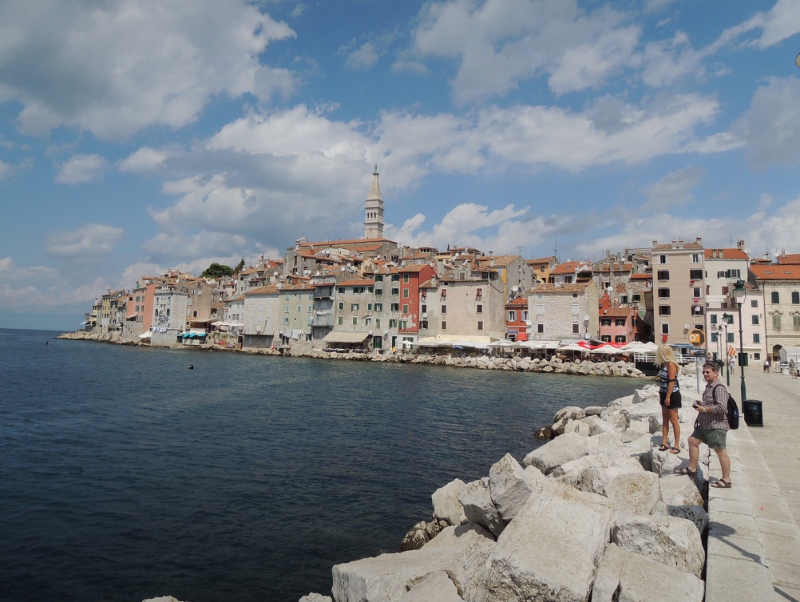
column 162, row 599
column 446, row 505
column 599, row 425
column 557, row 452
column 624, row 576
column 594, row 410
column 439, row 586
column 564, row 415
column 510, row 486
column 316, row 598
column 633, row 492
column 673, row 542
column 680, row 490
column 551, row 550
column 476, row 498
column 585, row 474
column 696, row 514
column 461, row 551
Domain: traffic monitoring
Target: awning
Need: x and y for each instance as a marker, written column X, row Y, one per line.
column 146, row 335
column 345, row 337
column 455, row 341
column 521, row 336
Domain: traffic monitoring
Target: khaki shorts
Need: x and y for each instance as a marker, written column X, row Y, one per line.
column 714, row 438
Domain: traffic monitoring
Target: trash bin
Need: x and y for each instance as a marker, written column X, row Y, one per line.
column 752, row 413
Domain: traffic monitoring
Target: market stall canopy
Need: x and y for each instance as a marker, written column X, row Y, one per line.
column 146, row 335
column 345, row 337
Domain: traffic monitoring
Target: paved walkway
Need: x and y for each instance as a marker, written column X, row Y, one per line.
column 754, row 539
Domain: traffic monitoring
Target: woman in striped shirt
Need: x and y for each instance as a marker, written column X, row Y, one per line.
column 711, row 427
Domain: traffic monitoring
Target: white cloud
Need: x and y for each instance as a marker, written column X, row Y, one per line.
column 89, row 241
column 772, row 125
column 144, row 160
column 5, row 264
column 674, row 189
column 183, row 247
column 499, row 43
column 5, row 170
column 363, row 57
column 113, row 68
column 81, row 168
column 667, row 61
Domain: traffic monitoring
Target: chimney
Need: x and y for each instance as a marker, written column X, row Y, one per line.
column 699, row 241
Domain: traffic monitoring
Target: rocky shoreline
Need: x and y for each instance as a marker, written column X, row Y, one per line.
column 553, row 364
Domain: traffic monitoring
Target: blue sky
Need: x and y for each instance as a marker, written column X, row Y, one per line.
column 142, row 135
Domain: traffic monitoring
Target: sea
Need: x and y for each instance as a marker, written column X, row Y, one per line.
column 128, row 473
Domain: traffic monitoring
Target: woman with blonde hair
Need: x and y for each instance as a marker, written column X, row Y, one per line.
column 670, row 395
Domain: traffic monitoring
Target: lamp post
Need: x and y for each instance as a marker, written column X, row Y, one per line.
column 719, row 342
column 740, row 294
column 725, row 318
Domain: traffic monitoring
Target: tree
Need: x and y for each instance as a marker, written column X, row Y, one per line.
column 215, row 270
column 239, row 266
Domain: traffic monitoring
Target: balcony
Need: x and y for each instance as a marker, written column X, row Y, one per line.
column 322, row 321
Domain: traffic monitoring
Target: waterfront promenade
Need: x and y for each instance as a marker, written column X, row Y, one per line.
column 754, row 540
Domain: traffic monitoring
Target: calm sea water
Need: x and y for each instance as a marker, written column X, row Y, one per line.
column 124, row 475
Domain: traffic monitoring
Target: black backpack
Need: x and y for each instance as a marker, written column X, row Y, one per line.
column 733, row 413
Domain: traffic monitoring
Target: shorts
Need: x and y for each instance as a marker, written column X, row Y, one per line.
column 714, row 438
column 674, row 400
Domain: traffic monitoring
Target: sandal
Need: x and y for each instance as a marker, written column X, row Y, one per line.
column 675, row 450
column 685, row 471
column 721, row 484
column 663, row 448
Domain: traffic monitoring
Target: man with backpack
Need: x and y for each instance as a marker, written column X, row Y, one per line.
column 712, row 426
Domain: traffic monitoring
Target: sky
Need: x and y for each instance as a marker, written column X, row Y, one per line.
column 138, row 136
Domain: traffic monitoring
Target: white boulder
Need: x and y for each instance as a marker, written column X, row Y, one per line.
column 557, row 452
column 476, row 499
column 439, row 586
column 511, row 486
column 446, row 505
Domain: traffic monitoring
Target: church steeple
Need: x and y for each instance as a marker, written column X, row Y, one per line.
column 373, row 209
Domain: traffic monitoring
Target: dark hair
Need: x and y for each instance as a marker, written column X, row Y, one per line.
column 713, row 365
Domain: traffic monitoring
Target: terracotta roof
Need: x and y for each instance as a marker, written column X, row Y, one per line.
column 519, row 301
column 570, row 267
column 413, row 268
column 564, row 288
column 357, row 282
column 775, row 272
column 641, row 276
column 725, row 254
column 618, row 312
column 499, row 260
column 793, row 259
column 541, row 260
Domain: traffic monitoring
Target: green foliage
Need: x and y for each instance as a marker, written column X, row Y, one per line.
column 215, row 270
column 239, row 266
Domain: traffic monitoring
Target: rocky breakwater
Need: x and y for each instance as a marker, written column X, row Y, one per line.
column 554, row 365
column 595, row 514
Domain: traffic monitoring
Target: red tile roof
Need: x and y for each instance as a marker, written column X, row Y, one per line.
column 793, row 259
column 725, row 254
column 775, row 272
column 641, row 276
column 357, row 282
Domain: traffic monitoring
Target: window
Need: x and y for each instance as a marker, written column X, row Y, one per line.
column 354, row 307
column 512, row 315
column 664, row 310
column 403, row 325
column 286, row 321
column 696, row 292
column 444, row 293
column 662, row 259
column 405, row 308
column 405, row 293
column 695, row 257
column 424, row 308
column 695, row 274
column 392, row 323
column 755, row 319
column 624, row 299
column 776, row 297
column 605, row 322
column 524, row 315
column 754, row 303
column 395, row 291
column 620, row 338
column 444, row 325
column 379, row 291
column 369, row 306
column 395, row 277
column 310, row 308
column 540, row 327
column 480, row 324
column 663, row 293
column 341, row 290
column 423, row 324
column 714, row 337
column 479, row 309
column 286, row 310
column 287, row 296
column 795, row 298
column 756, row 338
column 355, row 320
column 637, row 298
column 405, row 277
column 606, row 338
column 480, row 293
column 713, row 318
column 299, row 309
column 730, row 337
column 377, row 322
column 341, row 320
column 663, row 275
column 444, row 309
column 776, row 321
column 395, row 307
column 620, row 322
column 665, row 329
column 796, row 322
column 379, row 307
column 576, row 328
column 378, row 277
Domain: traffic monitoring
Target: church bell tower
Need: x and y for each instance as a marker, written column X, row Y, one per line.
column 373, row 209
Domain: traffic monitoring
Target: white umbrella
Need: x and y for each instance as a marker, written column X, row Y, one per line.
column 606, row 350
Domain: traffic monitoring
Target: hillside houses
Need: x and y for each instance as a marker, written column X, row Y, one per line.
column 374, row 295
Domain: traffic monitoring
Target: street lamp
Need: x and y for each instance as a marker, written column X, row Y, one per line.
column 719, row 342
column 740, row 294
column 725, row 318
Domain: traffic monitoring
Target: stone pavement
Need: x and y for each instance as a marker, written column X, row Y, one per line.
column 754, row 539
